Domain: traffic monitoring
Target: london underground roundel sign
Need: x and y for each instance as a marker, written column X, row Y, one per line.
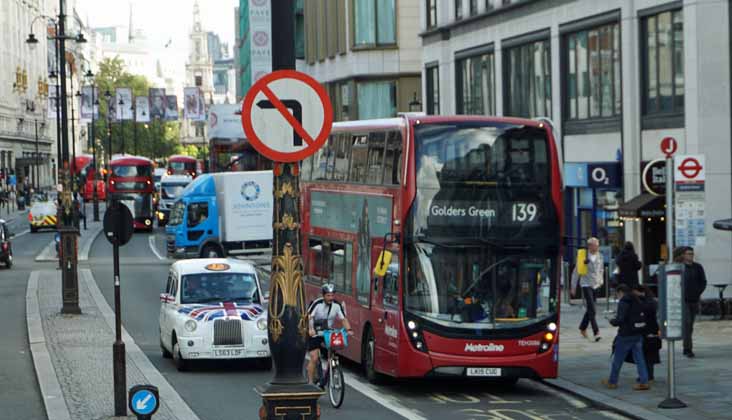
column 287, row 116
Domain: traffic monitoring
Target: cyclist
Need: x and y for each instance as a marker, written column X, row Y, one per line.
column 322, row 314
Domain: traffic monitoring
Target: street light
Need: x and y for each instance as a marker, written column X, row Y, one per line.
column 89, row 76
column 121, row 127
column 108, row 96
column 69, row 234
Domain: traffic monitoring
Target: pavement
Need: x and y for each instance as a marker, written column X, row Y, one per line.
column 704, row 383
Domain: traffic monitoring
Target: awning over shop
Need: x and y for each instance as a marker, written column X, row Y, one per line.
column 724, row 224
column 644, row 205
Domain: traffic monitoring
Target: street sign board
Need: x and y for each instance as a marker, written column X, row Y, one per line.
column 144, row 400
column 118, row 224
column 654, row 177
column 669, row 145
column 671, row 300
column 287, row 116
column 689, row 170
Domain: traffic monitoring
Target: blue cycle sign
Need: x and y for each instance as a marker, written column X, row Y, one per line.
column 144, row 400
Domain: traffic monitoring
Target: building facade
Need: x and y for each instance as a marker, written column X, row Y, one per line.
column 366, row 53
column 615, row 77
column 27, row 131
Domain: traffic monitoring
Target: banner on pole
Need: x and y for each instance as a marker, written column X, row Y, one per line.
column 157, row 103
column 89, row 110
column 123, row 104
column 171, row 108
column 194, row 108
column 142, row 109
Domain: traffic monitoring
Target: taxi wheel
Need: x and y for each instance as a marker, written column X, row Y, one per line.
column 180, row 362
column 265, row 363
column 164, row 351
column 9, row 262
column 33, row 229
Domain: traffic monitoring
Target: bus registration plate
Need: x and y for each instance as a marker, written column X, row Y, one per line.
column 484, row 371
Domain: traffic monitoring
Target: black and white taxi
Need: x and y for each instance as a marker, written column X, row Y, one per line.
column 213, row 308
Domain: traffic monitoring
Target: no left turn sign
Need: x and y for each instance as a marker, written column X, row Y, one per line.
column 287, row 116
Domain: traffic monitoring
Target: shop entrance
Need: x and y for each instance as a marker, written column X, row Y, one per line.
column 654, row 249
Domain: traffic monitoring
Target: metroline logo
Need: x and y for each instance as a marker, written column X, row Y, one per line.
column 483, row 348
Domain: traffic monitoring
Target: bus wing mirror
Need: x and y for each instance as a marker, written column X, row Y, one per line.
column 382, row 263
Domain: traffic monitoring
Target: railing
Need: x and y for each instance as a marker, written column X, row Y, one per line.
column 12, row 127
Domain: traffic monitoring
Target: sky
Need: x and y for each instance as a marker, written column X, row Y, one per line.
column 163, row 20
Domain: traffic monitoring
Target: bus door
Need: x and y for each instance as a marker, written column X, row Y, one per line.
column 385, row 306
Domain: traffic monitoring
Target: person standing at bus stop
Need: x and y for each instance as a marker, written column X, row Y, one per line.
column 590, row 281
column 695, row 281
column 628, row 265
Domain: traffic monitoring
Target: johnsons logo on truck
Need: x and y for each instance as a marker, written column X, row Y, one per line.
column 250, row 190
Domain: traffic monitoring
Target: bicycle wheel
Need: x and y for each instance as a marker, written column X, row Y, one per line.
column 336, row 385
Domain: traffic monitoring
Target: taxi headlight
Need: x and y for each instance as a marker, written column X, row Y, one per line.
column 262, row 323
column 191, row 325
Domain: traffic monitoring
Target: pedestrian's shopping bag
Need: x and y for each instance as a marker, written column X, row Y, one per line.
column 581, row 264
column 335, row 339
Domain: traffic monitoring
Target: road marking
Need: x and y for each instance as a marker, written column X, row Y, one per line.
column 378, row 396
column 25, row 232
column 574, row 402
column 151, row 242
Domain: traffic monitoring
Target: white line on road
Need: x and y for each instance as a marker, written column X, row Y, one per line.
column 25, row 232
column 151, row 242
column 381, row 398
column 574, row 402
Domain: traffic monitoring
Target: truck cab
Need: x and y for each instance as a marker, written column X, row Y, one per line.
column 222, row 214
column 171, row 187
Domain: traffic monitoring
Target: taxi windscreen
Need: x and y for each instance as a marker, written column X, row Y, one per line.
column 219, row 288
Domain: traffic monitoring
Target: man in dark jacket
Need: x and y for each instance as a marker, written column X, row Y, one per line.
column 631, row 323
column 628, row 265
column 695, row 281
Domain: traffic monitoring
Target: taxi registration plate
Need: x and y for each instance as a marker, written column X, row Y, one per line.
column 227, row 352
column 484, row 371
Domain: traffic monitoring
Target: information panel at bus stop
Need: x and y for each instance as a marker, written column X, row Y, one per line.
column 671, row 301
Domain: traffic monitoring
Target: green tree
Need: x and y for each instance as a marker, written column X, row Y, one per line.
column 155, row 140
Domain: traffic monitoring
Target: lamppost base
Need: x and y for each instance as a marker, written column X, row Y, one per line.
column 672, row 403
column 289, row 402
column 69, row 275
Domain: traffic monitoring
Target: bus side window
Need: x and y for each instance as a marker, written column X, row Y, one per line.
column 377, row 141
column 342, row 151
column 393, row 158
column 315, row 260
column 359, row 155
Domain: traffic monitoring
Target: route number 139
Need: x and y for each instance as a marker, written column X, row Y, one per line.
column 524, row 212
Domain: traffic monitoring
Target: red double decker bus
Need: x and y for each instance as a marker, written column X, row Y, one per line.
column 470, row 212
column 131, row 182
column 84, row 172
column 182, row 165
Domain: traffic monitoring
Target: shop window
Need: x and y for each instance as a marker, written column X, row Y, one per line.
column 592, row 89
column 528, row 81
column 476, row 85
column 662, row 50
column 432, row 74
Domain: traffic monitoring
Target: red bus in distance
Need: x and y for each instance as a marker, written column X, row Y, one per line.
column 182, row 165
column 131, row 182
column 84, row 172
column 470, row 212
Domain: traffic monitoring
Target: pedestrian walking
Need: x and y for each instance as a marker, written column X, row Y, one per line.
column 651, row 340
column 589, row 282
column 695, row 281
column 628, row 265
column 631, row 324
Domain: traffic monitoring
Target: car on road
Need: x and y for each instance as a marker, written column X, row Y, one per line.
column 213, row 308
column 6, row 250
column 42, row 214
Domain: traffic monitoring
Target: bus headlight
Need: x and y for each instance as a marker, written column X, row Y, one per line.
column 551, row 327
column 412, row 325
column 262, row 323
column 148, row 222
column 416, row 336
column 191, row 325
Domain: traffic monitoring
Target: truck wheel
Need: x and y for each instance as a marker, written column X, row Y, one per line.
column 211, row 251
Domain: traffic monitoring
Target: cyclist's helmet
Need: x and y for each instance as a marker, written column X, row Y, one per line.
column 328, row 288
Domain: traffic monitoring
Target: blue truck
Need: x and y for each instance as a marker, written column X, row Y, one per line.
column 222, row 214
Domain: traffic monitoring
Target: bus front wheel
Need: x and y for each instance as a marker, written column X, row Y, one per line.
column 368, row 356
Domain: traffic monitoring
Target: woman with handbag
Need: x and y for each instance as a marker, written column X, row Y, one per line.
column 651, row 335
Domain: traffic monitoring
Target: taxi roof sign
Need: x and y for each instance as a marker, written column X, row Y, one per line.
column 217, row 267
